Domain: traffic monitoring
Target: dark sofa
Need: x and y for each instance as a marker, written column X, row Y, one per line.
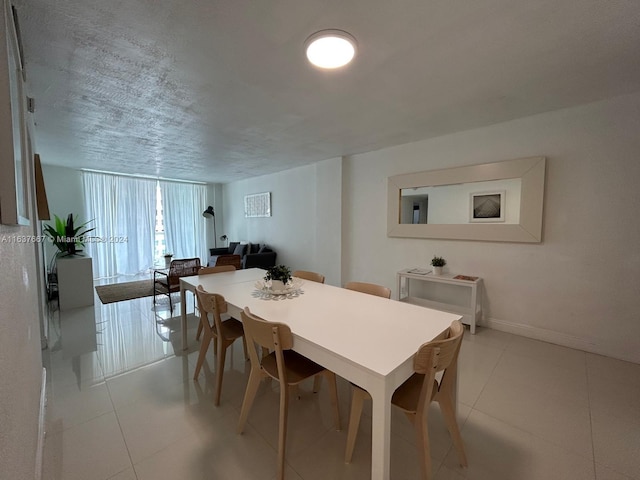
column 251, row 255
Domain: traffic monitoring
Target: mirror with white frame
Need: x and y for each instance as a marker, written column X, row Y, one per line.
column 500, row 201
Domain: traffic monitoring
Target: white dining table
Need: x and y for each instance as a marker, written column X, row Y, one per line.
column 365, row 339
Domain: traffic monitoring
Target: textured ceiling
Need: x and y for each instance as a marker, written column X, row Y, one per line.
column 220, row 90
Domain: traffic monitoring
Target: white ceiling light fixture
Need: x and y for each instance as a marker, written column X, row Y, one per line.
column 330, row 49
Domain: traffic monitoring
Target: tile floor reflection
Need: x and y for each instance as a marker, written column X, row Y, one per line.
column 122, row 405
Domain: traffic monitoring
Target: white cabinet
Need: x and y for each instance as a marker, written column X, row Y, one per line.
column 448, row 292
column 75, row 282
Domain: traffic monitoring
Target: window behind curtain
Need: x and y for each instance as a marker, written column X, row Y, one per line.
column 125, row 211
column 184, row 225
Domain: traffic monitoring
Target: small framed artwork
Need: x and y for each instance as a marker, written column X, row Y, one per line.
column 257, row 205
column 487, row 206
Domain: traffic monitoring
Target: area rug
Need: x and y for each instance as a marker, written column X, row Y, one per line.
column 118, row 292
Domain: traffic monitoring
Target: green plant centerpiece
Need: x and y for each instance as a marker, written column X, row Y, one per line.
column 438, row 262
column 279, row 272
column 278, row 278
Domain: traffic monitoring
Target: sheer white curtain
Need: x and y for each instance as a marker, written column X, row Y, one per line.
column 123, row 210
column 184, row 225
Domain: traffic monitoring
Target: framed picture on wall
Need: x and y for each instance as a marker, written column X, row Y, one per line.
column 257, row 205
column 14, row 205
column 487, row 206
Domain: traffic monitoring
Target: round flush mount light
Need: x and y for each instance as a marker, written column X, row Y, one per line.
column 330, row 48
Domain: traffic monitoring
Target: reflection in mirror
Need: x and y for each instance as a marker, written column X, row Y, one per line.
column 453, row 204
column 414, row 205
column 500, row 201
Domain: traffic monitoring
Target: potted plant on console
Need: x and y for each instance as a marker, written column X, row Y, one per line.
column 278, row 277
column 66, row 237
column 437, row 263
column 70, row 272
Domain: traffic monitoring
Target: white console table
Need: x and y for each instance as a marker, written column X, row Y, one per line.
column 469, row 311
column 75, row 282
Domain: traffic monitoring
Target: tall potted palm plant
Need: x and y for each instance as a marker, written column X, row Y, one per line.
column 66, row 237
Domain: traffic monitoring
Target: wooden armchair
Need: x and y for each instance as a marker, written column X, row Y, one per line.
column 165, row 282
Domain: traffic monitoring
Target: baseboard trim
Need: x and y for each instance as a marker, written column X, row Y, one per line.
column 557, row 338
column 41, row 426
column 538, row 333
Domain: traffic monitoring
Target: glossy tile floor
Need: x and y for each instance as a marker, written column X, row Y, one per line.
column 122, row 405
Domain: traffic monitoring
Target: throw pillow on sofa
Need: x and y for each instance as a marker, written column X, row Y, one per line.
column 240, row 249
column 264, row 249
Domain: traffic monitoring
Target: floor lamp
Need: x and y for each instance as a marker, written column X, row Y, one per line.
column 209, row 213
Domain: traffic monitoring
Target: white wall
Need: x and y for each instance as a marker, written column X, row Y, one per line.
column 65, row 195
column 214, row 198
column 328, row 220
column 64, row 191
column 579, row 287
column 20, row 355
column 305, row 226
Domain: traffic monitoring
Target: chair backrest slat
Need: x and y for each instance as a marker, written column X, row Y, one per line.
column 234, row 260
column 439, row 354
column 183, row 267
column 218, row 269
column 270, row 335
column 211, row 303
column 261, row 331
column 311, row 276
column 369, row 288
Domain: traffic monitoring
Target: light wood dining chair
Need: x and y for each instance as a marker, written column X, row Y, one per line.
column 414, row 396
column 223, row 334
column 370, row 288
column 208, row 271
column 286, row 366
column 311, row 276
